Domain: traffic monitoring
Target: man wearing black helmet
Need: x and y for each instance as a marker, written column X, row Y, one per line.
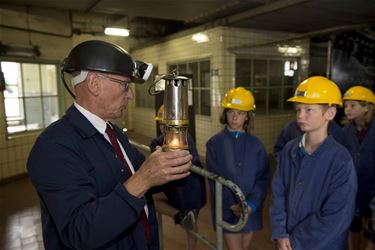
column 94, row 187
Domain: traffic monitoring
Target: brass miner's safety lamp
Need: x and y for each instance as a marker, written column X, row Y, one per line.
column 175, row 112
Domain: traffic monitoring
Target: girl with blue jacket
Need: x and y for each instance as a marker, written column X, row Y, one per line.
column 240, row 157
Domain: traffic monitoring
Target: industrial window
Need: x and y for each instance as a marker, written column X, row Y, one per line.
column 200, row 73
column 272, row 82
column 142, row 98
column 30, row 95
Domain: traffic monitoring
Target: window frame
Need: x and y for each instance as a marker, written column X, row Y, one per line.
column 196, row 86
column 23, row 97
column 268, row 87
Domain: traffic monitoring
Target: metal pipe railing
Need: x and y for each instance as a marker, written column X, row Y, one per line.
column 220, row 224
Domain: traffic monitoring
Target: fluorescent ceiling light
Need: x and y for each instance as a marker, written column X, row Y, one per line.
column 289, row 50
column 116, row 32
column 200, row 38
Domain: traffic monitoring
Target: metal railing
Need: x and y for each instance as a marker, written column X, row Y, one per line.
column 219, row 223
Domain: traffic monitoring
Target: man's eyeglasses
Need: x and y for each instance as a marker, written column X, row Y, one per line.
column 124, row 84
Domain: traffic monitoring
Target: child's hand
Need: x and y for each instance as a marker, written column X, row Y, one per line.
column 237, row 209
column 284, row 244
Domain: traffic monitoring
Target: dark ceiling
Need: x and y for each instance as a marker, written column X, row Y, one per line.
column 157, row 18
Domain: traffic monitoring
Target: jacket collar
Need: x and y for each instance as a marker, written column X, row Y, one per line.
column 328, row 142
column 80, row 122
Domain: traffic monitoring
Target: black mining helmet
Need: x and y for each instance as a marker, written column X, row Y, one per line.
column 104, row 57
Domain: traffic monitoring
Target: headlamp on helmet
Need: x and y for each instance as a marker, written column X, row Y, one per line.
column 142, row 71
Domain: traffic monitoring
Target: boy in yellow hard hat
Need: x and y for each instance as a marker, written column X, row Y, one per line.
column 315, row 184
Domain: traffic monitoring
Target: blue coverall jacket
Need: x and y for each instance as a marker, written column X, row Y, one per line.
column 80, row 184
column 364, row 161
column 313, row 196
column 188, row 193
column 245, row 162
column 292, row 130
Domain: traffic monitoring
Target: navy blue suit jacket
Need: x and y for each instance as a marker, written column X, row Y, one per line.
column 80, row 184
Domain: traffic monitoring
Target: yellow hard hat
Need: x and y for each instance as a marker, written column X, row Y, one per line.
column 239, row 98
column 160, row 114
column 317, row 90
column 359, row 93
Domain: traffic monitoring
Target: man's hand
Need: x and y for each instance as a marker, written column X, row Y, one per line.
column 284, row 244
column 159, row 168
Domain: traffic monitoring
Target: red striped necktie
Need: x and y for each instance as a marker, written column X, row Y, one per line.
column 113, row 138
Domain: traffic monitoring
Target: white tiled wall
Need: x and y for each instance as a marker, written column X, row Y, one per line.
column 223, row 44
column 13, row 154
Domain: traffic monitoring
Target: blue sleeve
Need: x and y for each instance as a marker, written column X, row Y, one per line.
column 280, row 143
column 336, row 214
column 156, row 142
column 337, row 132
column 372, row 207
column 211, row 164
column 194, row 152
column 278, row 209
column 83, row 220
column 290, row 131
column 347, row 133
column 372, row 203
column 262, row 180
column 210, row 157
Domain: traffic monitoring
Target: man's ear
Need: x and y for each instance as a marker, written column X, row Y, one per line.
column 93, row 85
column 330, row 113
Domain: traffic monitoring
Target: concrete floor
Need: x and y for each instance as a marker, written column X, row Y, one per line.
column 20, row 227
